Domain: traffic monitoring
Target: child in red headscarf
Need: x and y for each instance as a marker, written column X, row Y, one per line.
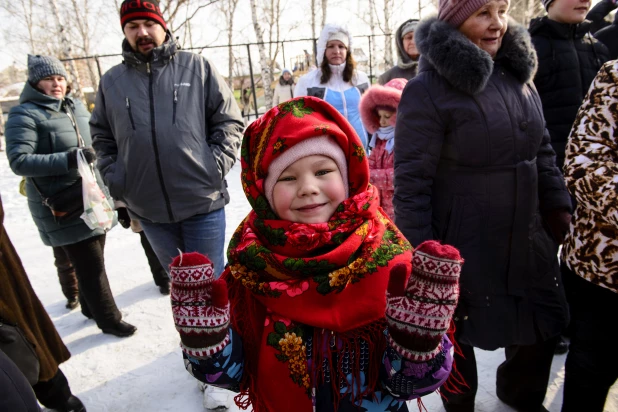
column 309, row 324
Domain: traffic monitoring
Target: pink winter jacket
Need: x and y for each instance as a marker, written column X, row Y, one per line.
column 381, row 175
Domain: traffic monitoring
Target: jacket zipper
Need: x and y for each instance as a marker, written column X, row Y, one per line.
column 175, row 102
column 80, row 141
column 130, row 113
column 154, row 143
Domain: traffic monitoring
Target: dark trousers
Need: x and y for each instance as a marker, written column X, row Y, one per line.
column 95, row 294
column 66, row 273
column 591, row 367
column 53, row 393
column 158, row 273
column 521, row 379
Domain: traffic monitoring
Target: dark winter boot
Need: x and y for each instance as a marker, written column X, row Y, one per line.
column 122, row 329
column 73, row 404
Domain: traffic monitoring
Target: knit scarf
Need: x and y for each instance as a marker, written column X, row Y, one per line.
column 290, row 282
column 384, row 133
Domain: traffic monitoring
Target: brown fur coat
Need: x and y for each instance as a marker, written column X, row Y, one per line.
column 20, row 305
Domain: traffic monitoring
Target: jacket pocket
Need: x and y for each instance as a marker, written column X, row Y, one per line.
column 174, row 106
column 128, row 105
column 212, row 168
column 453, row 218
column 544, row 253
column 116, row 185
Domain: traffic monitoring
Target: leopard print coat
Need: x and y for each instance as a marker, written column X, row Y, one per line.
column 591, row 173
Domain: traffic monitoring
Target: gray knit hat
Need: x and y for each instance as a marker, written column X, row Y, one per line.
column 546, row 3
column 408, row 26
column 39, row 67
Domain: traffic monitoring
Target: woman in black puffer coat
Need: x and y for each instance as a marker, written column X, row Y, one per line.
column 474, row 168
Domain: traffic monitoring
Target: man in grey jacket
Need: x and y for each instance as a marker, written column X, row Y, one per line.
column 166, row 129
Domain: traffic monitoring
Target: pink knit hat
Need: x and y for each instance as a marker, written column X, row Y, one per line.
column 377, row 97
column 455, row 12
column 321, row 145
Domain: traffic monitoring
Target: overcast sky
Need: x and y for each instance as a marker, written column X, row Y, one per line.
column 209, row 24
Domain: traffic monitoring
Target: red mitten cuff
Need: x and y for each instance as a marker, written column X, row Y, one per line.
column 419, row 308
column 200, row 305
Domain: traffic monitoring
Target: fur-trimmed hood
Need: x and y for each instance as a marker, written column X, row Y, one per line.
column 330, row 28
column 464, row 65
column 388, row 95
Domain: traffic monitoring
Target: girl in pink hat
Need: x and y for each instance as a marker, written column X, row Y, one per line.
column 378, row 109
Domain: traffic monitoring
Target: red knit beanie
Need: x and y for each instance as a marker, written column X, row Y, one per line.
column 141, row 10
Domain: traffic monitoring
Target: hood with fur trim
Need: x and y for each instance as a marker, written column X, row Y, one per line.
column 331, row 28
column 464, row 65
column 388, row 95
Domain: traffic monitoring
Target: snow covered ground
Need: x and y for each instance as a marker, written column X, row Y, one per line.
column 145, row 372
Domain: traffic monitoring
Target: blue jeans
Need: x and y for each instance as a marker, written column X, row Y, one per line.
column 200, row 233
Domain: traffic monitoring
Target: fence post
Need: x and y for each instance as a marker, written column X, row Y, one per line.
column 315, row 53
column 370, row 62
column 252, row 82
column 96, row 59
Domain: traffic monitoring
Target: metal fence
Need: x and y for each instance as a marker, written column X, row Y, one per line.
column 368, row 51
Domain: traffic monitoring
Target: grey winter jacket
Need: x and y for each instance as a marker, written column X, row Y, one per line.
column 166, row 133
column 406, row 67
column 474, row 168
column 39, row 135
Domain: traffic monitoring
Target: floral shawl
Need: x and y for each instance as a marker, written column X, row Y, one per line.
column 329, row 278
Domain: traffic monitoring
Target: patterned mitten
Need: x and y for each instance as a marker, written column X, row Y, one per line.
column 200, row 305
column 419, row 309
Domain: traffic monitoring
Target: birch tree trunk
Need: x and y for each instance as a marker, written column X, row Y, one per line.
column 265, row 66
column 324, row 11
column 228, row 8
column 66, row 53
column 83, row 27
column 388, row 40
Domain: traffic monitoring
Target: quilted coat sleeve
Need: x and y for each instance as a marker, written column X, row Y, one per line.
column 22, row 139
column 553, row 194
column 224, row 369
column 379, row 175
column 104, row 143
column 591, row 165
column 419, row 134
column 407, row 380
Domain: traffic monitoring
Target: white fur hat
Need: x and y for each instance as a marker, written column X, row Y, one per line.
column 333, row 31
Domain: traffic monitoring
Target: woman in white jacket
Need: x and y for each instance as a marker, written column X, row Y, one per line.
column 336, row 80
column 284, row 89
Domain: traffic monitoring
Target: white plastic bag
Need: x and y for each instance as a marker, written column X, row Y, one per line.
column 98, row 213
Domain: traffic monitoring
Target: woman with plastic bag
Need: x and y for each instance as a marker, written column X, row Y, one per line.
column 45, row 136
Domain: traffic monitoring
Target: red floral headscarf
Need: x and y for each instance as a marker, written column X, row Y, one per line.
column 286, row 278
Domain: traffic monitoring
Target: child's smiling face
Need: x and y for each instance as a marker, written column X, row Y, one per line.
column 309, row 190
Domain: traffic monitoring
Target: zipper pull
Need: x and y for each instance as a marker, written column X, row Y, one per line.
column 148, row 68
column 176, row 96
column 128, row 105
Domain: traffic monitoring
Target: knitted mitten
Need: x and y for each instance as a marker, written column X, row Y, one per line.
column 419, row 308
column 200, row 305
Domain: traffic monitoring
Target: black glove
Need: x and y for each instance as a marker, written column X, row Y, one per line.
column 88, row 152
column 123, row 217
column 558, row 222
